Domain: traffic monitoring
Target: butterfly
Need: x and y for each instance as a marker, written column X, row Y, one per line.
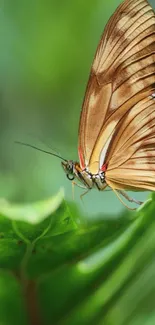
column 117, row 124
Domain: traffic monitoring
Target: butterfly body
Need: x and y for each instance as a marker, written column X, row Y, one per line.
column 89, row 180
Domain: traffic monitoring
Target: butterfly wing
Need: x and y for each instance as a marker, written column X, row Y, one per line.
column 131, row 160
column 122, row 75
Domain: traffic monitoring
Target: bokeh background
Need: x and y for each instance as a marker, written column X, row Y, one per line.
column 47, row 48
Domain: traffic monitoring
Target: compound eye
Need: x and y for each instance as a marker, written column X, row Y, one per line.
column 70, row 167
column 70, row 177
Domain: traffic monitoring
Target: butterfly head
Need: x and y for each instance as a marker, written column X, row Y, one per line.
column 73, row 170
column 69, row 169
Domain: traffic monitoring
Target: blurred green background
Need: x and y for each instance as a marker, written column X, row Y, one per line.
column 47, row 48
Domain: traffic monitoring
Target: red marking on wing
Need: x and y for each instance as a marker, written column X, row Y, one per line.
column 82, row 164
column 104, row 167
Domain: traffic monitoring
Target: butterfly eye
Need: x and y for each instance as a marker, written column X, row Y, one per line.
column 70, row 177
column 70, row 167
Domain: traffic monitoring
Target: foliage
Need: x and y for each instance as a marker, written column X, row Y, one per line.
column 58, row 269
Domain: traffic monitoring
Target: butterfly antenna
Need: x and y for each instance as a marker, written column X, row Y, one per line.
column 44, row 142
column 39, row 149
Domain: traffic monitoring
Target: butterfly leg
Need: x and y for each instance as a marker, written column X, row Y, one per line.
column 78, row 185
column 81, row 196
column 129, row 198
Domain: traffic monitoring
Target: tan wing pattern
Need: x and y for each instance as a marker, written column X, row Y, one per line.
column 131, row 160
column 122, row 75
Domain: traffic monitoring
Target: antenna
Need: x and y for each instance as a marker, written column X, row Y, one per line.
column 39, row 149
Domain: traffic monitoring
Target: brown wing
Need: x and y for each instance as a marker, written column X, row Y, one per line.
column 131, row 160
column 122, row 74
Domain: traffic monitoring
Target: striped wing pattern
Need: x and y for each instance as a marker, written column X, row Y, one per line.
column 131, row 160
column 117, row 123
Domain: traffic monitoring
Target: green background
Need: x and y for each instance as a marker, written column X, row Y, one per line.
column 47, row 48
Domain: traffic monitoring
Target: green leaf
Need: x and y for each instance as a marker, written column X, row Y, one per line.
column 75, row 272
column 93, row 284
column 12, row 309
column 32, row 213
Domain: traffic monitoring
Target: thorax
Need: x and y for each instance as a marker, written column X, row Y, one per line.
column 88, row 179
